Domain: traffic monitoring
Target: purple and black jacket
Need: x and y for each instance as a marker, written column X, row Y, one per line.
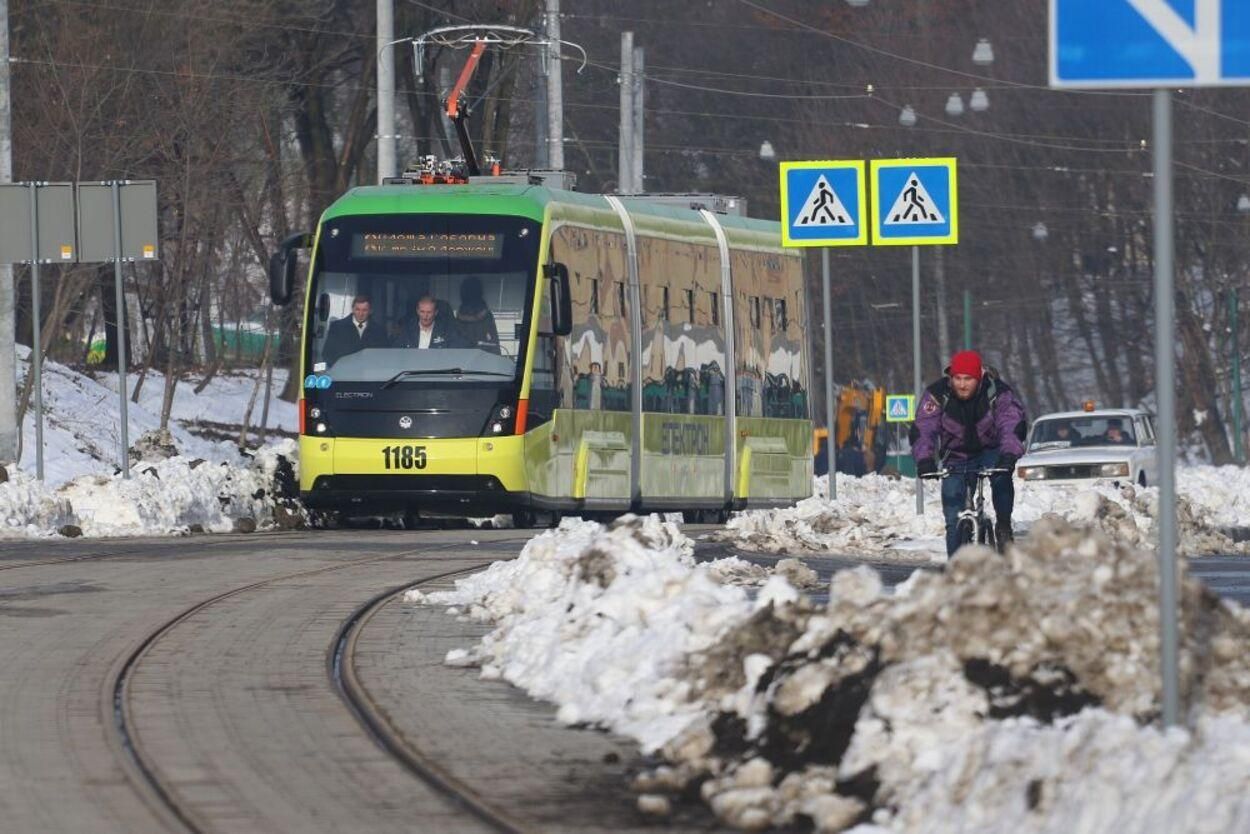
column 993, row 419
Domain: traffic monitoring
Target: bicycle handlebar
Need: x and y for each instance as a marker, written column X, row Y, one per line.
column 980, row 473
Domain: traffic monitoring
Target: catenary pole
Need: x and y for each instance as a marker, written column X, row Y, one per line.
column 8, row 349
column 639, row 121
column 918, row 383
column 625, row 145
column 36, row 347
column 386, row 89
column 542, row 157
column 1165, row 394
column 121, row 326
column 555, row 90
column 831, row 407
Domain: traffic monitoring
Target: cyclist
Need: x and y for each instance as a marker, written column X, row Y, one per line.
column 974, row 420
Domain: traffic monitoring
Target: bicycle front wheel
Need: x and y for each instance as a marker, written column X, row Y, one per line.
column 988, row 537
column 965, row 532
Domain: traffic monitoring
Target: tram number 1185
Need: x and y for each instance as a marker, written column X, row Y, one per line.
column 404, row 457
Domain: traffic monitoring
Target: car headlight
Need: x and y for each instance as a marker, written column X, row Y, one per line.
column 1113, row 470
column 1032, row 473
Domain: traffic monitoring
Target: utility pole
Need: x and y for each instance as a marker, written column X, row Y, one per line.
column 625, row 147
column 639, row 121
column 8, row 350
column 555, row 90
column 386, row 89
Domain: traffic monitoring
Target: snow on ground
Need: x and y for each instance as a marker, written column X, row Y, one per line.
column 82, row 432
column 1004, row 694
column 876, row 515
column 181, row 481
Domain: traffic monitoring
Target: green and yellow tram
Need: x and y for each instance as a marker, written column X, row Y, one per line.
column 541, row 351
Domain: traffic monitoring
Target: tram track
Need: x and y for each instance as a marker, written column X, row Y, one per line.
column 144, row 772
column 342, row 670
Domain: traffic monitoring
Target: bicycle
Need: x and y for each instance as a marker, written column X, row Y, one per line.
column 974, row 524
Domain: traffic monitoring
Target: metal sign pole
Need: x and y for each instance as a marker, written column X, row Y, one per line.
column 36, row 349
column 121, row 324
column 915, row 354
column 831, row 412
column 1165, row 385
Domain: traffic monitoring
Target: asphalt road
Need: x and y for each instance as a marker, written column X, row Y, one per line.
column 223, row 646
column 215, row 654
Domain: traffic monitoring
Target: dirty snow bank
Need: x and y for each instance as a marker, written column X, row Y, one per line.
column 877, row 515
column 1004, row 695
column 167, row 494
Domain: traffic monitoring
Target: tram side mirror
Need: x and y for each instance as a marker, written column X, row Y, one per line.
column 282, row 267
column 323, row 306
column 561, row 300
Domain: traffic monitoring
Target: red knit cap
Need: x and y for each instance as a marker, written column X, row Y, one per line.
column 967, row 362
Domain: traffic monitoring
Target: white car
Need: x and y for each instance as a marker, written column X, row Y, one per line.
column 1107, row 444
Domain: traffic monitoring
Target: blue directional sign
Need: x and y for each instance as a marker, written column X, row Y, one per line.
column 915, row 202
column 822, row 203
column 1149, row 43
column 900, row 408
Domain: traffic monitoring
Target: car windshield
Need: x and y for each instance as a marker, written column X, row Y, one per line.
column 403, row 298
column 1094, row 430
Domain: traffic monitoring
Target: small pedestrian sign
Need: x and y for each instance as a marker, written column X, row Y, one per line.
column 916, row 202
column 900, row 408
column 823, row 203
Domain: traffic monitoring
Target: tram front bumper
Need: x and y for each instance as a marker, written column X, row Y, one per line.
column 454, row 476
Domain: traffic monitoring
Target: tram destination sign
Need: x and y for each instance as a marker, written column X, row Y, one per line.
column 427, row 245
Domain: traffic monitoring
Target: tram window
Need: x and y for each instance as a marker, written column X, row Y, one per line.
column 690, row 304
column 594, row 296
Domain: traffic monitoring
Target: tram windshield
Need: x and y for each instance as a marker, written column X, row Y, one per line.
column 412, row 296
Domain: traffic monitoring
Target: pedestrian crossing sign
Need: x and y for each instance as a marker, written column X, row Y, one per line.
column 900, row 408
column 823, row 203
column 915, row 202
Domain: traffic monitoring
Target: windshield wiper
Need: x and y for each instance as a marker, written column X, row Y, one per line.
column 440, row 372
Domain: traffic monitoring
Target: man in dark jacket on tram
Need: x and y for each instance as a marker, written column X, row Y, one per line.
column 973, row 420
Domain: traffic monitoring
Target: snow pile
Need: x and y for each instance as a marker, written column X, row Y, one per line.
column 28, row 507
column 870, row 515
column 164, row 496
column 598, row 620
column 1007, row 694
column 876, row 515
column 965, row 691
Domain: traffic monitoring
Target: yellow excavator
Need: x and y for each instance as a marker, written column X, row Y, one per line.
column 861, row 440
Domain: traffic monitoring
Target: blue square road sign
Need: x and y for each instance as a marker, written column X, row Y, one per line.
column 823, row 203
column 915, row 202
column 1149, row 43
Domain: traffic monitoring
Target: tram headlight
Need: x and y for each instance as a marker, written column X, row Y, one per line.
column 314, row 413
column 501, row 421
column 321, row 428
